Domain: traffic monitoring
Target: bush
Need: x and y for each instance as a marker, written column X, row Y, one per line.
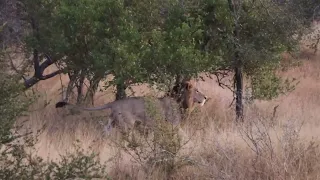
column 16, row 158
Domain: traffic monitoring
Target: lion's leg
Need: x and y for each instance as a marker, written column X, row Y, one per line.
column 107, row 128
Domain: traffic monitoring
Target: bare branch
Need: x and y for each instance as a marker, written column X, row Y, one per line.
column 48, row 76
column 39, row 69
column 46, row 63
column 36, row 63
column 220, row 76
column 14, row 68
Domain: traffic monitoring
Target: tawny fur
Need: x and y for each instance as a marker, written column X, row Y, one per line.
column 126, row 112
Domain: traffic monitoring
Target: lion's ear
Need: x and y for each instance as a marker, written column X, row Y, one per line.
column 189, row 85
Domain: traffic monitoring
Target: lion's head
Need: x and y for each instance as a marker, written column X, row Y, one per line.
column 192, row 95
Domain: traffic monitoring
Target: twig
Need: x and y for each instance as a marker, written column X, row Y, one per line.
column 314, row 12
column 219, row 79
column 14, row 68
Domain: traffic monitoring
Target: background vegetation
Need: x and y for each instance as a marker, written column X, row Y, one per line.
column 158, row 43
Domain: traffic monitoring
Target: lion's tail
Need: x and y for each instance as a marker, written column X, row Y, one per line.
column 105, row 106
column 63, row 103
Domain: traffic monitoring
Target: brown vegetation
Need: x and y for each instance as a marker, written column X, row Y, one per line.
column 277, row 141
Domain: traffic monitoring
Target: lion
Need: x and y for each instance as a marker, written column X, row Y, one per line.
column 126, row 112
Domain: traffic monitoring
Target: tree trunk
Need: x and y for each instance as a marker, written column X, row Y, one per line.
column 79, row 85
column 234, row 6
column 239, row 91
column 121, row 91
column 238, row 76
column 66, row 94
column 94, row 84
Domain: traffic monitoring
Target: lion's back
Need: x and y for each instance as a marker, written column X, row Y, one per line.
column 145, row 109
column 132, row 104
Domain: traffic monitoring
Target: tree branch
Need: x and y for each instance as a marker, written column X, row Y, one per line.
column 220, row 76
column 13, row 67
column 36, row 63
column 48, row 76
column 34, row 80
column 39, row 69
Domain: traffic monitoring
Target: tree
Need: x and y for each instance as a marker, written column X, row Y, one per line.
column 87, row 39
column 234, row 6
column 12, row 103
column 111, row 37
column 19, row 162
column 170, row 39
column 164, row 41
column 250, row 36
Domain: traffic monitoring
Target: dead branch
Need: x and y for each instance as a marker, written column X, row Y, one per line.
column 14, row 68
column 39, row 69
column 220, row 76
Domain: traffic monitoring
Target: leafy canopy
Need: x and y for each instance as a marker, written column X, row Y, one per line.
column 153, row 41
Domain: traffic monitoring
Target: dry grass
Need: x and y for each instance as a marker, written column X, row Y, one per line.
column 266, row 146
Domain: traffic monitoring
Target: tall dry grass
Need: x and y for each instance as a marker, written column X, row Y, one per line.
column 279, row 139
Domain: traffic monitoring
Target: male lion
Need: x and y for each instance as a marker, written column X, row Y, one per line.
column 126, row 112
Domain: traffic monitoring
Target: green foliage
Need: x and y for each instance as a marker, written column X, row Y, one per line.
column 146, row 41
column 266, row 30
column 173, row 52
column 13, row 103
column 153, row 41
column 159, row 148
column 18, row 163
column 17, row 160
column 77, row 165
column 95, row 37
column 266, row 85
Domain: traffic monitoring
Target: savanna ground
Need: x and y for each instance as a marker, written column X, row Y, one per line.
column 279, row 139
